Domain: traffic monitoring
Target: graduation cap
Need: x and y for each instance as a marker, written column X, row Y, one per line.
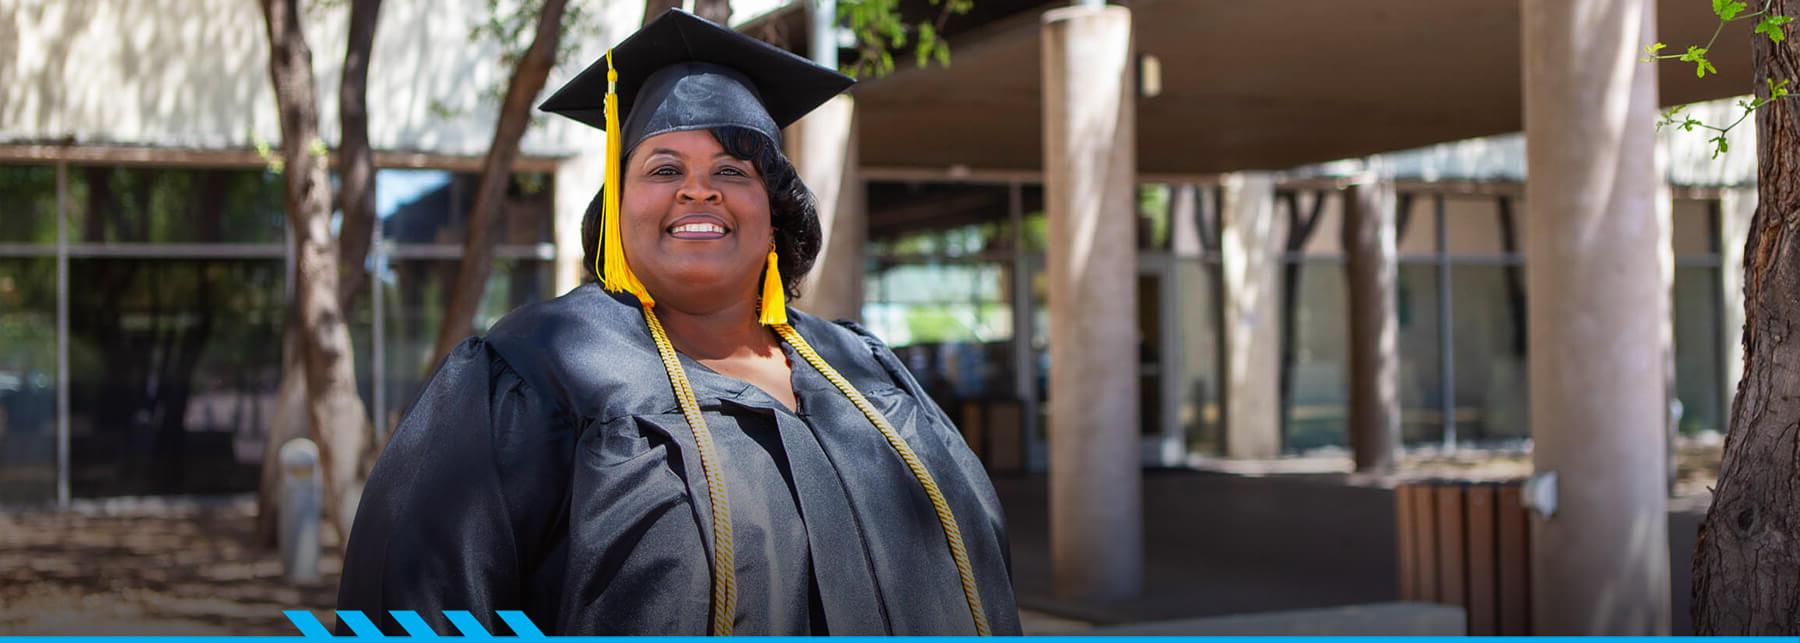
column 678, row 73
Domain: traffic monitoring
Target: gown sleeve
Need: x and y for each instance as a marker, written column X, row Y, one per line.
column 460, row 505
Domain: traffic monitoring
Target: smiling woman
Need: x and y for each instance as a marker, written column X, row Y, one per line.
column 671, row 450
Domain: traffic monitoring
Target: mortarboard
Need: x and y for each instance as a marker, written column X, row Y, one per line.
column 681, row 72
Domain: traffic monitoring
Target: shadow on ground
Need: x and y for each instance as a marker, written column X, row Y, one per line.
column 189, row 571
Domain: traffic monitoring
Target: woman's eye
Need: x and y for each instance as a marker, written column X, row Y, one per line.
column 731, row 171
column 666, row 170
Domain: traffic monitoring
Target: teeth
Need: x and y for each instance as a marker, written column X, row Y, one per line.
column 699, row 227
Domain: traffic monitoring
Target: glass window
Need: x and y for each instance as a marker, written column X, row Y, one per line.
column 1699, row 364
column 1201, row 410
column 432, row 206
column 27, row 204
column 27, row 380
column 174, row 368
column 175, row 205
column 1153, row 216
column 1316, row 407
column 1419, row 381
column 1488, row 321
column 415, row 293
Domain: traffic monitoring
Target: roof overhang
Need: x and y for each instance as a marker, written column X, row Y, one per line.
column 1259, row 85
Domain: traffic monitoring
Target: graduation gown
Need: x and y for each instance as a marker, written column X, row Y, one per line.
column 547, row 468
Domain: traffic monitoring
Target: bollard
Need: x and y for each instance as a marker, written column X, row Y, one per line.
column 302, row 496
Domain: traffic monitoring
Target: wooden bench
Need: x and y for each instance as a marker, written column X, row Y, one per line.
column 1467, row 544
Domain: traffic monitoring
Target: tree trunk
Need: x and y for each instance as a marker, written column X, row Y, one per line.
column 496, row 173
column 335, row 413
column 356, row 199
column 1747, row 564
column 355, row 160
column 286, row 423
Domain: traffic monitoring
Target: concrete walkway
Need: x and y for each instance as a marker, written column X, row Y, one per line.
column 1221, row 544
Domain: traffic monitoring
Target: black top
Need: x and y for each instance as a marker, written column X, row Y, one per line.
column 548, row 469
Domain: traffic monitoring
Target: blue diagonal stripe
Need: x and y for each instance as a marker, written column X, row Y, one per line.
column 359, row 624
column 307, row 623
column 415, row 626
column 521, row 624
column 466, row 622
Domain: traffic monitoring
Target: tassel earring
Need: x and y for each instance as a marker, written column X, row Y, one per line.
column 774, row 294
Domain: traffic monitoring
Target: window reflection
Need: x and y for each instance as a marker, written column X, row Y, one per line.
column 174, row 205
column 416, row 293
column 28, row 204
column 432, row 207
column 174, row 366
column 27, row 380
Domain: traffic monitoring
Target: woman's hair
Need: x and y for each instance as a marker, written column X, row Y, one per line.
column 792, row 213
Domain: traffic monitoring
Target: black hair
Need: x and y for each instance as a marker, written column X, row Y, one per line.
column 792, row 212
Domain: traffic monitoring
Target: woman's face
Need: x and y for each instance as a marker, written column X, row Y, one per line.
column 695, row 221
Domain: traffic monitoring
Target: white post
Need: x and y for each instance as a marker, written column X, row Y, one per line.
column 1600, row 561
column 301, row 507
column 1251, row 239
column 1096, row 531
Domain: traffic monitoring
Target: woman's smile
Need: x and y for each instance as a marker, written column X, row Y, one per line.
column 699, row 227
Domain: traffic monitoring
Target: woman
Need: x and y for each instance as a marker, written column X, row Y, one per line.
column 670, row 450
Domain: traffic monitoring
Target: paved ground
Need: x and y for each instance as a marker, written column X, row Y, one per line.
column 1215, row 543
column 153, row 569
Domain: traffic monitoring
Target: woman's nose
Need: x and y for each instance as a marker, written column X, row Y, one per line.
column 698, row 188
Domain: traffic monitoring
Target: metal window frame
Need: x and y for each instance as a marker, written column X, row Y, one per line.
column 64, row 249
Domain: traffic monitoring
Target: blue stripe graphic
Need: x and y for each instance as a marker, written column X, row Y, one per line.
column 307, row 624
column 414, row 626
column 466, row 623
column 521, row 624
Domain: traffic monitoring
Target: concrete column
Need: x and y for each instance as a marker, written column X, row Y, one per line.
column 1251, row 238
column 823, row 146
column 1372, row 273
column 1736, row 206
column 1096, row 531
column 1600, row 561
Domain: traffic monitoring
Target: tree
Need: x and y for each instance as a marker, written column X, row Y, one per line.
column 1747, row 564
column 336, row 417
column 356, row 200
column 496, row 173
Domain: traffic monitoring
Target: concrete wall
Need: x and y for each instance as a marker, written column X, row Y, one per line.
column 194, row 74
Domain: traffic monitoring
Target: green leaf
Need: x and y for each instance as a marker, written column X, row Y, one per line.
column 1697, row 55
column 1720, row 145
column 1653, row 48
column 1728, row 9
column 1771, row 26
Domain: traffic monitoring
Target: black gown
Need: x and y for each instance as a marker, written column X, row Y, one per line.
column 547, row 468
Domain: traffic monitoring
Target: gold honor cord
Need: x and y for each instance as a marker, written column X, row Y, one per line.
column 952, row 534
column 724, row 605
column 724, row 576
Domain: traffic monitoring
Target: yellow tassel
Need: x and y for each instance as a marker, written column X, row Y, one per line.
column 774, row 295
column 615, row 273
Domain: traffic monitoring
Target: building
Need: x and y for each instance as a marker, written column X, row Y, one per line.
column 143, row 255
